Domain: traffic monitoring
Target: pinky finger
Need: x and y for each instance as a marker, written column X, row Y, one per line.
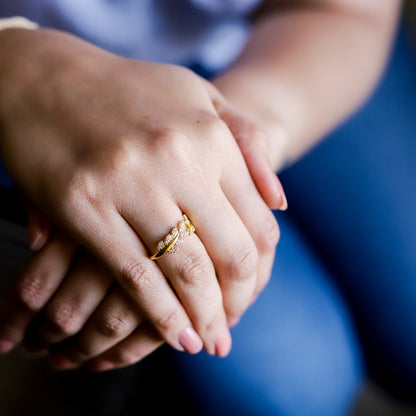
column 142, row 342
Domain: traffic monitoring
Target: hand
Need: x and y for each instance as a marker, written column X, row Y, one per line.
column 99, row 147
column 85, row 302
column 67, row 311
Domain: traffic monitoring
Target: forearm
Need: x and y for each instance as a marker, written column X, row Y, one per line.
column 305, row 70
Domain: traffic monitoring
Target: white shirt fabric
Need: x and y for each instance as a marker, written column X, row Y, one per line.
column 208, row 33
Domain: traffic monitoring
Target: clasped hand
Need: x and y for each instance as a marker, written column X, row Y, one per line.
column 113, row 152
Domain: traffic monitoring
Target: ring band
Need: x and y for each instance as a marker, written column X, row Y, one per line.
column 176, row 237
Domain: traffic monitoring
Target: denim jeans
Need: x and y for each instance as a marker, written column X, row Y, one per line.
column 341, row 304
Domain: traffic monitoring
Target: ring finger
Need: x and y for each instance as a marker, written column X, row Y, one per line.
column 192, row 275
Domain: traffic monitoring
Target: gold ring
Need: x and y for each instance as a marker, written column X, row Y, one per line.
column 176, row 237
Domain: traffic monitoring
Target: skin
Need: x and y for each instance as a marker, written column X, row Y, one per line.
column 276, row 102
column 97, row 148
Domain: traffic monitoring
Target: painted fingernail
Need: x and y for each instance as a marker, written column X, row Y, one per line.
column 283, row 199
column 282, row 195
column 284, row 205
column 6, row 346
column 34, row 352
column 233, row 322
column 36, row 241
column 63, row 363
column 190, row 341
column 223, row 343
column 101, row 365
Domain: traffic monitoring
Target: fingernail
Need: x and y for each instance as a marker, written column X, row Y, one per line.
column 6, row 346
column 35, row 352
column 36, row 241
column 190, row 341
column 223, row 343
column 283, row 206
column 282, row 195
column 63, row 363
column 253, row 299
column 101, row 365
column 233, row 322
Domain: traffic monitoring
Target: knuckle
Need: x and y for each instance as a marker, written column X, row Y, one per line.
column 114, row 325
column 172, row 148
column 210, row 325
column 62, row 318
column 122, row 155
column 136, row 276
column 85, row 183
column 215, row 128
column 168, row 135
column 243, row 263
column 166, row 322
column 81, row 188
column 269, row 235
column 194, row 267
column 32, row 291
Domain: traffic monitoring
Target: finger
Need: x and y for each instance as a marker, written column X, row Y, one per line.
column 231, row 249
column 121, row 249
column 246, row 200
column 257, row 218
column 83, row 289
column 253, row 143
column 137, row 346
column 34, row 287
column 193, row 278
column 115, row 319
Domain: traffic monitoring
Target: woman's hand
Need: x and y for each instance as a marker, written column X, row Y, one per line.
column 82, row 313
column 114, row 151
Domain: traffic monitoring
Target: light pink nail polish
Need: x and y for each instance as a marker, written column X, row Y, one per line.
column 284, row 205
column 6, row 346
column 36, row 241
column 190, row 340
column 36, row 352
column 101, row 365
column 283, row 200
column 63, row 363
column 233, row 322
column 223, row 343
